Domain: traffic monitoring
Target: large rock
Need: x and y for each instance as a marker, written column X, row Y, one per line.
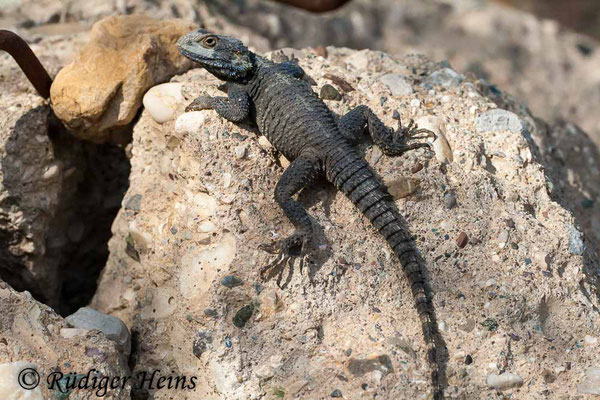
column 101, row 91
column 35, row 343
column 512, row 299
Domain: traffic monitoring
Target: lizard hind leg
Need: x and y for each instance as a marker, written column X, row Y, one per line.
column 301, row 172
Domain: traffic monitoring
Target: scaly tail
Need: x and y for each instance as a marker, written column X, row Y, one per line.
column 354, row 177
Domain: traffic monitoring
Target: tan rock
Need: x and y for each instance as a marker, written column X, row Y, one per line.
column 102, row 89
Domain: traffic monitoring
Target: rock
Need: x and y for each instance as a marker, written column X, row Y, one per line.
column 504, row 381
column 499, row 120
column 242, row 316
column 112, row 327
column 445, row 77
column 231, row 281
column 359, row 60
column 360, row 367
column 328, row 92
column 591, row 383
column 321, row 51
column 264, row 143
column 402, row 187
column 102, row 89
column 202, row 340
column 32, row 331
column 134, row 203
column 162, row 101
column 462, row 240
column 397, row 84
column 336, row 394
column 240, row 151
column 441, row 147
column 576, row 245
column 190, row 122
column 449, row 201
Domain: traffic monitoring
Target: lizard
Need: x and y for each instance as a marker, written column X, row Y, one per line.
column 300, row 126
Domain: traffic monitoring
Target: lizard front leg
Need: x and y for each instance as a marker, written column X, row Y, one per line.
column 301, row 172
column 392, row 143
column 235, row 107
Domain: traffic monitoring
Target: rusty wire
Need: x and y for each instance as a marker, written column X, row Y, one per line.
column 31, row 66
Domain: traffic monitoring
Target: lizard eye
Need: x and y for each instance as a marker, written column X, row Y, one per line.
column 209, row 42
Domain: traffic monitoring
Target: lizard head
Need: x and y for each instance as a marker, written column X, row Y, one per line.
column 225, row 57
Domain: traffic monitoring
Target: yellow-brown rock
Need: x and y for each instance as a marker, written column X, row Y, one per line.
column 102, row 89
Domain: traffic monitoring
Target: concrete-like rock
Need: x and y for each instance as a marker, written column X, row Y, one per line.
column 444, row 77
column 591, row 383
column 102, row 89
column 205, row 213
column 112, row 327
column 397, row 84
column 499, row 120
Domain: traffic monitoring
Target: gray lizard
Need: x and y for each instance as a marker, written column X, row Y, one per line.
column 301, row 127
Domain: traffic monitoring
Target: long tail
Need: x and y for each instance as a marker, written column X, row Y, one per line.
column 355, row 178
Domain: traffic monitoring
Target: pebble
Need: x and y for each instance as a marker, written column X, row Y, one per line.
column 416, row 168
column 504, row 381
column 402, row 187
column 240, row 151
column 161, row 101
column 321, row 51
column 415, row 103
column 449, row 201
column 112, row 327
column 398, row 84
column 134, row 203
column 242, row 316
column 328, row 92
column 576, row 245
column 264, row 143
column 52, row 171
column 591, row 382
column 226, row 180
column 445, row 77
column 503, row 239
column 359, row 60
column 336, row 393
column 441, row 147
column 231, row 281
column 190, row 122
column 499, row 120
column 462, row 240
column 201, row 342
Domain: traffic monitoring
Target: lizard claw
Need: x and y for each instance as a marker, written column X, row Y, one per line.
column 287, row 250
column 200, row 103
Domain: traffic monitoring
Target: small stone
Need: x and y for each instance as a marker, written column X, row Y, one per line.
column 210, row 312
column 402, row 187
column 416, row 168
column 69, row 333
column 445, row 77
column 498, row 120
column 161, row 101
column 336, row 393
column 112, row 327
column 359, row 60
column 52, row 171
column 441, row 147
column 240, row 151
column 134, row 203
column 328, row 92
column 231, row 281
column 504, row 381
column 503, row 239
column 462, row 240
column 398, row 84
column 576, row 245
column 201, row 342
column 591, row 382
column 242, row 316
column 449, row 201
column 226, row 180
column 264, row 143
column 190, row 122
column 415, row 103
column 321, row 51
column 468, row 359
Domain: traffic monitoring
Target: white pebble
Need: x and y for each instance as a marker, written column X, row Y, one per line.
column 226, row 180
column 190, row 122
column 162, row 100
column 415, row 103
column 240, row 151
column 504, row 381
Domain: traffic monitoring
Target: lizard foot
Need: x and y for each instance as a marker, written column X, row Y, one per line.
column 399, row 143
column 287, row 250
column 200, row 103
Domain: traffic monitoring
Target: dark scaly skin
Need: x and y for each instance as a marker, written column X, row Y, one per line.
column 301, row 127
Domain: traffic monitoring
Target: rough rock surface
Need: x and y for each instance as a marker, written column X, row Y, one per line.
column 33, row 336
column 36, row 178
column 514, row 280
column 101, row 91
